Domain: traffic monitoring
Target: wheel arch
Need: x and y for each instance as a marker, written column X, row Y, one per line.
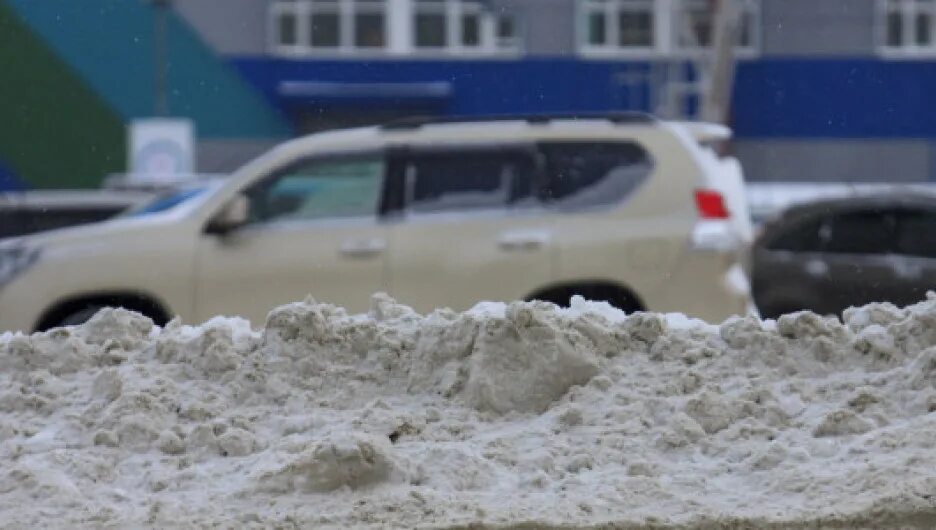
column 141, row 302
column 615, row 293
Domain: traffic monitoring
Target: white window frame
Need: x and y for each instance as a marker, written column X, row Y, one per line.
column 908, row 10
column 666, row 15
column 749, row 7
column 350, row 11
column 297, row 9
column 399, row 28
column 611, row 9
column 346, row 10
column 488, row 45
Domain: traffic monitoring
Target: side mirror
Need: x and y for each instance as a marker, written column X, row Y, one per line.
column 233, row 215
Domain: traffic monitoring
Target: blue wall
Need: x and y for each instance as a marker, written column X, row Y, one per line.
column 8, row 179
column 478, row 86
column 840, row 98
column 790, row 98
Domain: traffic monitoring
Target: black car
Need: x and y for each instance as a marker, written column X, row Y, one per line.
column 23, row 213
column 829, row 255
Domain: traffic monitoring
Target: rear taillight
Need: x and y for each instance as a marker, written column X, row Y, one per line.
column 711, row 205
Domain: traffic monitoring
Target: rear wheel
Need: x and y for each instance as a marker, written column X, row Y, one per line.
column 618, row 297
column 79, row 316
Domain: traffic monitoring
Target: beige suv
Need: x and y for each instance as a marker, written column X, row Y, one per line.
column 622, row 208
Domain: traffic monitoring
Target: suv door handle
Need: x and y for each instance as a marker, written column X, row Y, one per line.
column 524, row 239
column 363, row 248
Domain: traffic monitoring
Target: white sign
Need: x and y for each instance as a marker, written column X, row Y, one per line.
column 161, row 149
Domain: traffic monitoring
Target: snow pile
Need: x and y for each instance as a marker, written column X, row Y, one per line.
column 524, row 415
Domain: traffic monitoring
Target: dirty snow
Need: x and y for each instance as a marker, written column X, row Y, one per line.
column 521, row 415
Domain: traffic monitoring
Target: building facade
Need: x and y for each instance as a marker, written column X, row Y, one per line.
column 830, row 90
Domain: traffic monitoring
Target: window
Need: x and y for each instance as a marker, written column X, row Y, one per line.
column 597, row 28
column 507, row 37
column 471, row 30
column 461, row 26
column 864, row 232
column 324, row 25
column 634, row 28
column 166, row 201
column 329, row 25
column 660, row 26
column 284, row 24
column 431, row 22
column 800, row 236
column 370, row 26
column 469, row 180
column 350, row 26
column 916, row 233
column 621, row 24
column 288, row 29
column 593, row 174
column 320, row 189
column 907, row 26
column 694, row 23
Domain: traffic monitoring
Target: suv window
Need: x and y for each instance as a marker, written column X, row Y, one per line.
column 320, row 189
column 861, row 232
column 916, row 233
column 585, row 174
column 469, row 179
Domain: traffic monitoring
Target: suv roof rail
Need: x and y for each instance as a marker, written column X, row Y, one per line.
column 614, row 117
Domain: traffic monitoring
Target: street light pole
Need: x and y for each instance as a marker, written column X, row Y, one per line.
column 160, row 53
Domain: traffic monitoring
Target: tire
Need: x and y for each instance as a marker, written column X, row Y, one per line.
column 614, row 296
column 78, row 311
column 76, row 318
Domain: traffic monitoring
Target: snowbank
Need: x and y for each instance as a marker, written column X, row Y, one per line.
column 523, row 416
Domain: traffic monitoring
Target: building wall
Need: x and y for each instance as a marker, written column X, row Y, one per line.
column 230, row 27
column 224, row 156
column 55, row 131
column 816, row 102
column 823, row 105
column 94, row 64
column 818, row 160
column 548, row 25
column 817, row 28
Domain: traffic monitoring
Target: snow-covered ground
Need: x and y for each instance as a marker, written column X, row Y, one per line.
column 520, row 415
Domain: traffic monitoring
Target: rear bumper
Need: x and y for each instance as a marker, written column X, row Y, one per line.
column 708, row 286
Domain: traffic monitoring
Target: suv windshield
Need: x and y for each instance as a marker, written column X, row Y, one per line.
column 169, row 200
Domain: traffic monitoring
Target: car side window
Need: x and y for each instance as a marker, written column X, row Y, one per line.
column 802, row 236
column 916, row 233
column 587, row 174
column 469, row 179
column 320, row 189
column 12, row 223
column 861, row 232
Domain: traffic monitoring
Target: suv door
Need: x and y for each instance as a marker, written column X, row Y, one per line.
column 313, row 229
column 597, row 240
column 470, row 227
